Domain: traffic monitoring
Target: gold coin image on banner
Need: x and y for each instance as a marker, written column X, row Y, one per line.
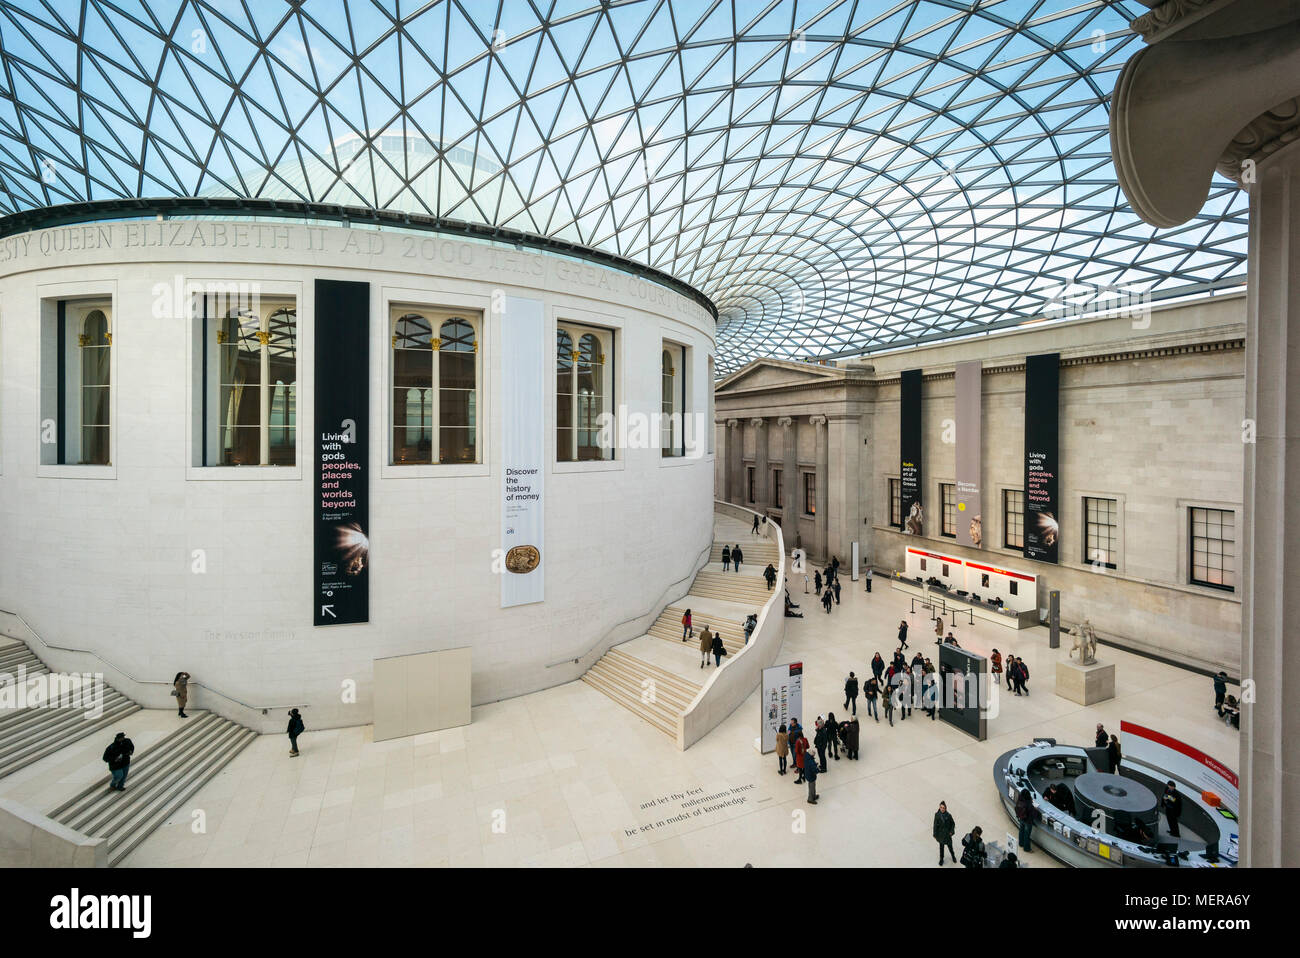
column 522, row 559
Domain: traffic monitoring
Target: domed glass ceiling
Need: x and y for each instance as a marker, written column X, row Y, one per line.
column 840, row 176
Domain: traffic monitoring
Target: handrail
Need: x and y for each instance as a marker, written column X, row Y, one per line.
column 654, row 605
column 121, row 671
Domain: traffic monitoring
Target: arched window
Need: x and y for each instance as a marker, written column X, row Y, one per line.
column 667, row 434
column 256, row 386
column 583, row 392
column 96, row 345
column 435, row 387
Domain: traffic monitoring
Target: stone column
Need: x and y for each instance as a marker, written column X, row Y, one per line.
column 761, row 500
column 1235, row 79
column 820, row 543
column 789, row 480
column 730, row 456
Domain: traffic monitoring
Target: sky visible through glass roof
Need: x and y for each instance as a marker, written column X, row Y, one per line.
column 839, row 176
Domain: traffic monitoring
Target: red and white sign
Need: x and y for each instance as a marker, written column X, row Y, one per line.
column 1181, row 760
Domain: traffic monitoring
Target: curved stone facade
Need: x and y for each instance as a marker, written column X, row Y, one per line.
column 159, row 561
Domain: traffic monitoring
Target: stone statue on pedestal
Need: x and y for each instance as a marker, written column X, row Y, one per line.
column 1085, row 643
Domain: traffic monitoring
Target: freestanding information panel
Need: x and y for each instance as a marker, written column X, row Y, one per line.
column 341, row 447
column 782, row 700
column 963, row 689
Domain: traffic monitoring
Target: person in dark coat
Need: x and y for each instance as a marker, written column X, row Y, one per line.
column 852, row 737
column 1025, row 813
column 1172, row 803
column 719, row 650
column 737, row 557
column 770, row 575
column 1024, row 675
column 826, row 601
column 944, row 829
column 1010, row 861
column 832, row 736
column 851, row 692
column 181, row 689
column 817, row 581
column 800, row 756
column 726, row 558
column 810, row 775
column 754, row 531
column 836, row 587
column 118, row 756
column 1114, row 754
column 887, row 699
column 871, row 690
column 902, row 634
column 1220, row 691
column 1103, row 739
column 294, row 730
column 819, row 743
column 877, row 667
column 973, row 854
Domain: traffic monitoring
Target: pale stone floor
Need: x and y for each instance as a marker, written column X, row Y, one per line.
column 562, row 776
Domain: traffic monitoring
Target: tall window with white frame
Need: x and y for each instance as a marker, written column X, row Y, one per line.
column 584, row 385
column 1100, row 532
column 1013, row 519
column 948, row 497
column 78, row 341
column 248, row 385
column 434, row 416
column 1213, row 548
column 672, row 404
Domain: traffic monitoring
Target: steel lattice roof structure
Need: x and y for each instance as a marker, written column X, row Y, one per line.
column 838, row 176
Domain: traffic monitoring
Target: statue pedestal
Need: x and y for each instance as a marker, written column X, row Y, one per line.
column 1085, row 684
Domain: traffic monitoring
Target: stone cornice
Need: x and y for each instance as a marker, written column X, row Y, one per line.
column 1260, row 138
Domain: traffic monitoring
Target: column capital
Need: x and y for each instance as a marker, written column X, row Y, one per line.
column 733, row 423
column 758, row 422
column 785, row 422
column 817, row 420
column 1233, row 78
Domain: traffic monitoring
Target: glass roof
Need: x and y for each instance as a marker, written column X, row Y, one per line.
column 839, row 176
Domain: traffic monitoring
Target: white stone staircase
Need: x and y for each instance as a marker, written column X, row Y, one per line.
column 29, row 734
column 653, row 693
column 160, row 780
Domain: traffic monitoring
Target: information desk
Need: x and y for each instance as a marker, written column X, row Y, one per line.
column 1009, row 618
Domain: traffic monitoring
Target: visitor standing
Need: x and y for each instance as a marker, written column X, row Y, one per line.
column 1103, row 739
column 687, row 631
column 871, row 690
column 1220, row 691
column 819, row 742
column 878, row 667
column 1025, row 816
column 718, row 649
column 754, row 531
column 995, row 666
column 817, row 581
column 826, row 601
column 118, row 756
column 902, row 633
column 706, row 646
column 853, row 737
column 726, row 558
column 736, row 557
column 973, row 854
column 294, row 730
column 837, row 590
column 770, row 575
column 851, row 693
column 944, row 829
column 833, row 736
column 1114, row 754
column 181, row 689
column 782, row 749
column 800, row 753
column 867, row 576
column 887, row 698
column 1173, row 806
column 810, row 775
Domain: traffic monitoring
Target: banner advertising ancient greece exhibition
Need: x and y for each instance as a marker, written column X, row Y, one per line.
column 1042, row 506
column 341, row 429
column 970, row 518
column 523, row 451
column 910, row 508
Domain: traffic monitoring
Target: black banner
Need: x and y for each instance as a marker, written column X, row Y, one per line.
column 910, row 509
column 342, row 452
column 1042, row 435
column 963, row 690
